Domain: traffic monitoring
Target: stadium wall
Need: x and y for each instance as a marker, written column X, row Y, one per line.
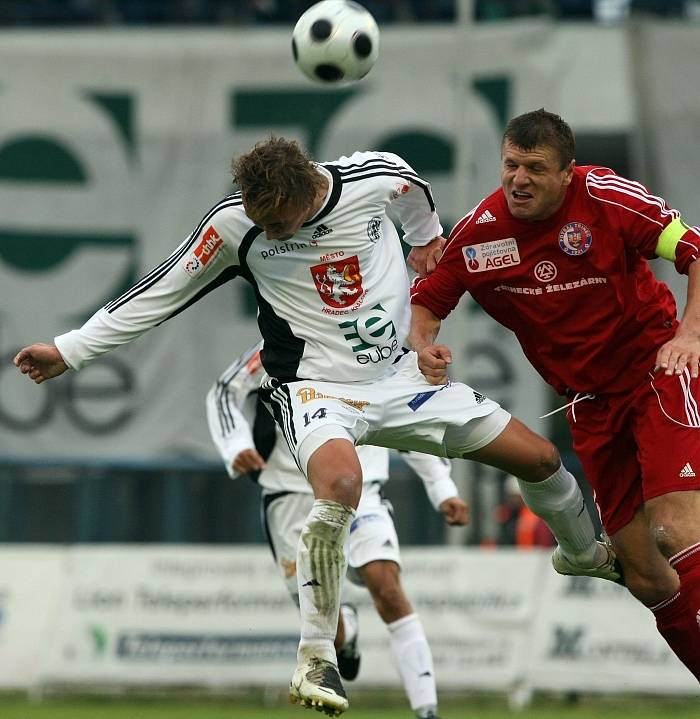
column 219, row 618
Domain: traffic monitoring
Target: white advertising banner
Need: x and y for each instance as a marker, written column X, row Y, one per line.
column 592, row 635
column 478, row 625
column 113, row 146
column 220, row 617
column 173, row 615
column 31, row 579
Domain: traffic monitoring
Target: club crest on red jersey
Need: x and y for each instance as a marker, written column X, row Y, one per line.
column 339, row 283
column 575, row 238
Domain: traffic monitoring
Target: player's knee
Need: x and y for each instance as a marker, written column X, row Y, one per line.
column 673, row 521
column 544, row 463
column 342, row 487
column 550, row 460
column 667, row 535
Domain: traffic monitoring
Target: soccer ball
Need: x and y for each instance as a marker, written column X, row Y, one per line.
column 335, row 40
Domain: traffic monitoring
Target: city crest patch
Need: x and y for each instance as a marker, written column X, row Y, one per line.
column 575, row 238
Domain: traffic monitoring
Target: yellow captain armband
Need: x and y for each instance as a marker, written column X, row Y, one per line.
column 669, row 238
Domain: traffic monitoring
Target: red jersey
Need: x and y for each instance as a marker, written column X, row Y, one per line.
column 576, row 288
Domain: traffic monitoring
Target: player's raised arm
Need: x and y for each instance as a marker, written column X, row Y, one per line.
column 432, row 359
column 40, row 362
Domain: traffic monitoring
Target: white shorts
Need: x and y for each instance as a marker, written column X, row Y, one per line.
column 400, row 411
column 372, row 533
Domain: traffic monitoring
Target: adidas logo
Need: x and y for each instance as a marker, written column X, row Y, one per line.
column 322, row 230
column 687, row 471
column 485, row 217
column 312, row 583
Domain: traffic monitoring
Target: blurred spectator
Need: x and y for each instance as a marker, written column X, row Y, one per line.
column 518, row 525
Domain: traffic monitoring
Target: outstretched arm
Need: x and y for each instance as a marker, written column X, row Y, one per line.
column 684, row 349
column 432, row 359
column 40, row 362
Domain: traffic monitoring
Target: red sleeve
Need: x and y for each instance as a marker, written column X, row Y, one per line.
column 442, row 290
column 641, row 216
column 688, row 250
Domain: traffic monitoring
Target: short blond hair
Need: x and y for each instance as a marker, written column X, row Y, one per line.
column 276, row 173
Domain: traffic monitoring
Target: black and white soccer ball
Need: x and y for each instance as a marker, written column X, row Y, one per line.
column 335, row 41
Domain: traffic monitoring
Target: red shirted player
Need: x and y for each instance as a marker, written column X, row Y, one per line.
column 559, row 255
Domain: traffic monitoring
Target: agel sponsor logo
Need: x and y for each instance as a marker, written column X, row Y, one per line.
column 491, row 255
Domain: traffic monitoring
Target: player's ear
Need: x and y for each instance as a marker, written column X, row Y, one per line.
column 569, row 172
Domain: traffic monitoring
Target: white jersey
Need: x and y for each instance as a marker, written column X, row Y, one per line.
column 234, row 417
column 332, row 299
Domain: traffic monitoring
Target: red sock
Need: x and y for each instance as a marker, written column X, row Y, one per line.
column 678, row 618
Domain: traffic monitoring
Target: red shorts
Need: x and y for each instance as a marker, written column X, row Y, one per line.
column 639, row 445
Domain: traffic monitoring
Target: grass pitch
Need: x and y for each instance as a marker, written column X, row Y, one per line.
column 365, row 707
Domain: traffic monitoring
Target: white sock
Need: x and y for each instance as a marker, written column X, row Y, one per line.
column 321, row 566
column 558, row 500
column 350, row 624
column 414, row 661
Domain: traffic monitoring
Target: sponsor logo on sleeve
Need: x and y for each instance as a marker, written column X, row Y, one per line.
column 254, row 363
column 207, row 249
column 491, row 255
column 401, row 189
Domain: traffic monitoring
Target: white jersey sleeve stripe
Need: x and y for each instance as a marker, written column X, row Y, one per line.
column 619, row 188
column 385, row 162
column 224, row 393
column 619, row 185
column 404, row 175
column 161, row 270
column 623, row 206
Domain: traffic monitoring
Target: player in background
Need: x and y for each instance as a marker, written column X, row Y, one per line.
column 559, row 255
column 325, row 261
column 250, row 443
